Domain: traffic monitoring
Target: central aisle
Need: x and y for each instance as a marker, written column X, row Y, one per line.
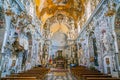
column 59, row 74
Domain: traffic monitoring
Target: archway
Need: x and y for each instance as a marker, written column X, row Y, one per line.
column 29, row 36
column 117, row 30
column 59, row 40
column 93, row 49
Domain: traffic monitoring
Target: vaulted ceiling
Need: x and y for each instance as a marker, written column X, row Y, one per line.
column 70, row 8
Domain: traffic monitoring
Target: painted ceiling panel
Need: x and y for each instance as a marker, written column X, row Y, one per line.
column 56, row 27
column 72, row 8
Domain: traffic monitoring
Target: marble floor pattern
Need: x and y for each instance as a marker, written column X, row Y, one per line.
column 60, row 76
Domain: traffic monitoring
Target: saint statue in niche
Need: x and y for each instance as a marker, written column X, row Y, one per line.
column 105, row 40
column 17, row 47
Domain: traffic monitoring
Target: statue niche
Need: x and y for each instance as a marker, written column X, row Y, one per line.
column 93, row 49
column 17, row 47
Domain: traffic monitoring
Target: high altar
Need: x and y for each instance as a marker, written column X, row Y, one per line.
column 60, row 61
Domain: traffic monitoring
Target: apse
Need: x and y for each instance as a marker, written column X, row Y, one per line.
column 59, row 39
column 59, row 27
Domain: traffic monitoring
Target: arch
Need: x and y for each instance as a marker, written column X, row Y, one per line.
column 59, row 39
column 58, row 18
column 113, row 26
column 29, row 36
column 28, row 32
column 56, row 27
column 92, row 49
column 116, row 27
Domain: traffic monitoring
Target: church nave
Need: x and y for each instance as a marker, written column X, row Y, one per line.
column 59, row 39
column 59, row 75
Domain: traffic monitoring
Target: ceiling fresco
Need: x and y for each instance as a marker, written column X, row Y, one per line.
column 62, row 15
column 48, row 8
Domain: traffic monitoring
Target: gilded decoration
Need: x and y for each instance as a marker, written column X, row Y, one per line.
column 71, row 8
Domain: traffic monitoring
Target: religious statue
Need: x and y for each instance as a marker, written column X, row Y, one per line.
column 105, row 40
column 17, row 47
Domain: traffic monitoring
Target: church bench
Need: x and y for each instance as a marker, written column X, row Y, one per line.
column 96, row 75
column 40, row 69
column 38, row 76
column 84, row 77
column 24, row 75
column 87, row 73
column 101, row 78
column 27, row 74
column 18, row 78
column 12, row 75
column 38, row 73
column 41, row 73
column 78, row 74
column 79, row 71
column 77, row 68
column 82, row 70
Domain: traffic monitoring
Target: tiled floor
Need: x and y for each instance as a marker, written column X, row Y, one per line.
column 60, row 76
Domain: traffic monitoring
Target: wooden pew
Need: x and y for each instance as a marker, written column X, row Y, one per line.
column 26, row 75
column 94, row 78
column 37, row 73
column 80, row 76
column 34, row 74
column 84, row 77
column 19, row 78
column 79, row 71
column 82, row 73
